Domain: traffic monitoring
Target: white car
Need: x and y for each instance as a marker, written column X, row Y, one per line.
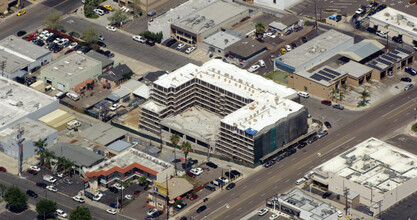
column 339, row 214
column 43, row 34
column 273, row 216
column 288, row 48
column 47, row 35
column 35, row 168
column 261, row 63
column 72, row 45
column 129, row 197
column 111, row 211
column 97, row 197
column 197, row 171
column 52, row 188
column 139, row 39
column 61, row 213
column 115, row 107
column 152, row 211
column 99, row 11
column 263, row 211
column 111, row 28
column 359, row 11
column 78, row 199
column 180, row 46
column 118, row 186
column 190, row 50
column 381, row 34
column 224, row 179
column 300, row 181
column 254, row 68
column 62, row 41
column 304, row 94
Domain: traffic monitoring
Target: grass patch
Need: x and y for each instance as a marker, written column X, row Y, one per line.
column 193, row 181
column 278, row 76
column 92, row 16
column 414, row 127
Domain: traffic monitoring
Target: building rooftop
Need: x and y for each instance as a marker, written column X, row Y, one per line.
column 179, row 12
column 325, row 75
column 153, row 106
column 71, row 65
column 153, row 76
column 127, row 160
column 363, row 49
column 119, row 145
column 374, row 164
column 178, row 186
column 209, row 16
column 17, row 101
column 131, row 85
column 354, row 69
column 100, row 57
column 269, row 98
column 317, row 208
column 246, row 47
column 34, row 130
column 103, row 133
column 284, row 22
column 398, row 19
column 314, row 48
column 222, row 39
column 115, row 74
column 80, row 155
column 143, row 91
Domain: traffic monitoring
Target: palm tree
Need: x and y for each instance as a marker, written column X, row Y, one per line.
column 175, row 138
column 259, row 28
column 186, row 148
column 363, row 95
column 333, row 93
column 40, row 149
column 341, row 95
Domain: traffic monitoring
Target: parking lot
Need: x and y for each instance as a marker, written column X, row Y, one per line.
column 178, row 46
column 111, row 198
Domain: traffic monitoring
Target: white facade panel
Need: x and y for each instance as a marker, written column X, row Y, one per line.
column 276, row 4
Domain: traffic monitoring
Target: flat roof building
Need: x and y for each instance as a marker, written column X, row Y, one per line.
column 33, row 131
column 103, row 134
column 363, row 51
column 217, row 43
column 21, row 56
column 374, row 171
column 248, row 105
column 195, row 27
column 68, row 71
column 396, row 22
column 19, row 101
column 313, row 52
column 245, row 49
column 280, row 4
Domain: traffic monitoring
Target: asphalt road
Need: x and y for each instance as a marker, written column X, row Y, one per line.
column 34, row 16
column 378, row 122
column 64, row 202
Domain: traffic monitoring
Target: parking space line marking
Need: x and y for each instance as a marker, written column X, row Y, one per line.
column 263, row 195
column 286, row 181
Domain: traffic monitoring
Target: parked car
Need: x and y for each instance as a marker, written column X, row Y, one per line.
column 191, row 175
column 288, row 32
column 302, row 145
column 197, row 171
column 312, row 139
column 210, row 187
column 115, row 205
column 298, row 28
column 230, row 186
column 111, row 211
column 180, row 206
column 101, row 44
column 41, row 184
column 171, row 42
column 304, row 39
column 98, row 11
column 397, row 39
column 326, row 195
column 61, row 213
column 78, row 198
column 201, row 209
column 67, row 181
column 150, row 42
column 229, row 175
column 33, row 172
column 254, row 68
column 269, row 163
column 190, row 50
column 31, row 194
column 139, row 39
column 288, row 48
column 407, row 87
column 327, row 124
column 108, row 7
column 326, row 102
column 406, row 79
column 235, row 173
column 338, row 106
column 410, row 70
column 263, row 211
column 303, row 94
column 2, row 169
column 103, row 9
column 111, row 28
column 21, row 12
column 293, row 45
column 21, row 33
column 224, row 179
column 136, row 192
column 180, row 46
column 212, row 165
column 381, row 34
column 359, row 11
column 100, row 37
column 152, row 212
column 35, row 168
column 152, row 13
column 322, row 134
column 52, row 188
column 300, row 181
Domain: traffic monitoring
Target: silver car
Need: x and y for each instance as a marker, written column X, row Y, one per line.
column 407, row 87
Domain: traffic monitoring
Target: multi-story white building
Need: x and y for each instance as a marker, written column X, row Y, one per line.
column 251, row 116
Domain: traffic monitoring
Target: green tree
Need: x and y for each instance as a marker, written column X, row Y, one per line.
column 175, row 138
column 46, row 208
column 2, row 189
column 40, row 150
column 333, row 93
column 118, row 18
column 52, row 20
column 80, row 213
column 363, row 95
column 16, row 199
column 259, row 28
column 186, row 148
column 89, row 35
column 341, row 95
column 143, row 181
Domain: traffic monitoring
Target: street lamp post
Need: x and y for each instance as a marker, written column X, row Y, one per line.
column 415, row 115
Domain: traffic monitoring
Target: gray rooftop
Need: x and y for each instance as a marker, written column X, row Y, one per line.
column 19, row 53
column 18, row 101
column 120, row 93
column 362, row 49
column 314, row 48
column 324, row 75
column 33, row 130
column 72, row 64
column 132, row 85
column 103, row 133
column 222, row 39
column 79, row 155
column 246, row 47
column 119, row 145
column 284, row 22
column 354, row 69
column 100, row 57
column 210, row 16
column 317, row 208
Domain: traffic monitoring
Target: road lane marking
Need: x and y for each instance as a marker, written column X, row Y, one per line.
column 338, row 146
column 263, row 195
column 395, row 120
column 304, row 165
column 286, row 181
column 399, row 108
column 275, row 187
column 244, row 187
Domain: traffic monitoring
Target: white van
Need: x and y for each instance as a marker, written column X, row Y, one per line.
column 304, row 94
column 261, row 63
column 73, row 124
column 300, row 181
column 59, row 95
column 73, row 96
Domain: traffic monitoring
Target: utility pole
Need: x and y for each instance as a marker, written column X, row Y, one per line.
column 345, row 194
column 167, row 198
column 175, row 161
column 20, row 139
column 315, row 14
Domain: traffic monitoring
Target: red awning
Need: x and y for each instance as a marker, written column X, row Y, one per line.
column 182, row 159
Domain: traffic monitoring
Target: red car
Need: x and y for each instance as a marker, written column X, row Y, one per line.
column 136, row 192
column 31, row 36
column 2, row 169
column 33, row 172
column 191, row 174
column 194, row 197
column 326, row 102
column 69, row 51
